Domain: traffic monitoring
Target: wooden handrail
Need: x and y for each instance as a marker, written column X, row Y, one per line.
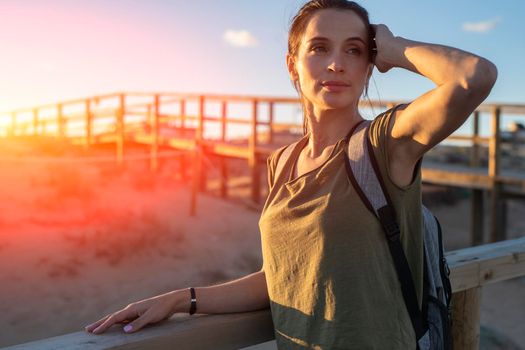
column 187, row 131
column 471, row 269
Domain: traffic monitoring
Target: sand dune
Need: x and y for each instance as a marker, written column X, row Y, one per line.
column 78, row 241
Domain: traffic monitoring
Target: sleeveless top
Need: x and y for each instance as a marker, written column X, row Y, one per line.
column 331, row 280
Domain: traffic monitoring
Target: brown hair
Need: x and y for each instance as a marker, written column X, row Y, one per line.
column 301, row 19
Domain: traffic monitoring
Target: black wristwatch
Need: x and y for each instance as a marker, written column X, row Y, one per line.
column 193, row 306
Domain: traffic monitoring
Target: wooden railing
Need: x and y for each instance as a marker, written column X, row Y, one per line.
column 145, row 118
column 471, row 269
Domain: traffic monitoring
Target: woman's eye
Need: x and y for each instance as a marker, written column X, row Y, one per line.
column 318, row 49
column 354, row 50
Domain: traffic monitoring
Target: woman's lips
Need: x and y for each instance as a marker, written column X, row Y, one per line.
column 335, row 86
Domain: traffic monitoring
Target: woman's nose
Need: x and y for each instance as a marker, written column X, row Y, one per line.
column 336, row 65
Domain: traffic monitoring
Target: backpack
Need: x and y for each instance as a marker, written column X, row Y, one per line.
column 432, row 324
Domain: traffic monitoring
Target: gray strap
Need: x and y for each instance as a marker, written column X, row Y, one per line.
column 362, row 170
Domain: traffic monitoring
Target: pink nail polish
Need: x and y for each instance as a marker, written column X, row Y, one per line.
column 128, row 328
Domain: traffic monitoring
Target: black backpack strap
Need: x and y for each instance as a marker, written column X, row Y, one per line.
column 365, row 176
column 387, row 217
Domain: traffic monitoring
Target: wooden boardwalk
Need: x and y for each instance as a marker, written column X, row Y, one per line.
column 471, row 270
column 180, row 122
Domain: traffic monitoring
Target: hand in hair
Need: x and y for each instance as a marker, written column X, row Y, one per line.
column 383, row 37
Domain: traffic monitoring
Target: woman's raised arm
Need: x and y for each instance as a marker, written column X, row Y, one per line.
column 463, row 81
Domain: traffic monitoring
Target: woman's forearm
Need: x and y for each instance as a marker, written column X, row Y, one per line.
column 439, row 63
column 248, row 293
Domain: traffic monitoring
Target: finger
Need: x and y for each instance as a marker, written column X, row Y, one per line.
column 139, row 323
column 94, row 325
column 115, row 318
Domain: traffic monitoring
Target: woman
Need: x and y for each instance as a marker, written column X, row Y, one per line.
column 327, row 273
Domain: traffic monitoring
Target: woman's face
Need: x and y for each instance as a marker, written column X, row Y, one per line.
column 332, row 64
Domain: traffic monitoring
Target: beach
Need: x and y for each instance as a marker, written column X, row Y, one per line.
column 79, row 240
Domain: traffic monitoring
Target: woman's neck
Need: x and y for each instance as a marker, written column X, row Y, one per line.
column 326, row 127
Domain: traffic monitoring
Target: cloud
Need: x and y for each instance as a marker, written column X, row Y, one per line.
column 240, row 38
column 481, row 27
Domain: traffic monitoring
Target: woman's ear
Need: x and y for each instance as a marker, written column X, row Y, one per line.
column 290, row 64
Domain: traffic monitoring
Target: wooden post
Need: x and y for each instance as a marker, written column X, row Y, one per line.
column 476, row 199
column 224, row 113
column 222, row 159
column 252, row 160
column 196, row 164
column 13, row 124
column 476, row 217
column 270, row 121
column 35, row 121
column 89, row 123
column 202, row 174
column 121, row 111
column 474, row 155
column 183, row 115
column 465, row 319
column 197, row 159
column 182, row 160
column 61, row 122
column 154, row 163
column 497, row 229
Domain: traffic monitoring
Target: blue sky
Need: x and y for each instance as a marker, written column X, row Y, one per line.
column 261, row 69
column 183, row 46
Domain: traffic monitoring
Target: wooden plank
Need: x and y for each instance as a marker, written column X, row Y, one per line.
column 227, row 150
column 458, row 179
column 489, row 263
column 478, row 266
column 182, row 144
column 226, row 331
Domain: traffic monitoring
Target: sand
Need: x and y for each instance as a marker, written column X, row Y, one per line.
column 80, row 240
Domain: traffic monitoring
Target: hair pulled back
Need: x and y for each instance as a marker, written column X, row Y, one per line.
column 303, row 16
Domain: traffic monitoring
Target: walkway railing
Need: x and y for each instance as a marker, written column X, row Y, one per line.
column 184, row 122
column 471, row 269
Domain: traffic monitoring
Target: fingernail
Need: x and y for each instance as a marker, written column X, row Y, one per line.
column 128, row 328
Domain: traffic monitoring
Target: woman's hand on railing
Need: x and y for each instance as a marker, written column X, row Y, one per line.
column 140, row 313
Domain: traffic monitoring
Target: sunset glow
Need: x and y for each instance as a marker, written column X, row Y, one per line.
column 139, row 149
column 5, row 123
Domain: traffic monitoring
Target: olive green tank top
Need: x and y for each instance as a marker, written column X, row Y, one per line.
column 331, row 280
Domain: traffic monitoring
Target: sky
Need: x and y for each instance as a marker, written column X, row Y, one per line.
column 54, row 50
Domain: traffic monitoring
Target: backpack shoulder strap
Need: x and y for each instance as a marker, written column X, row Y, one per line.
column 365, row 176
